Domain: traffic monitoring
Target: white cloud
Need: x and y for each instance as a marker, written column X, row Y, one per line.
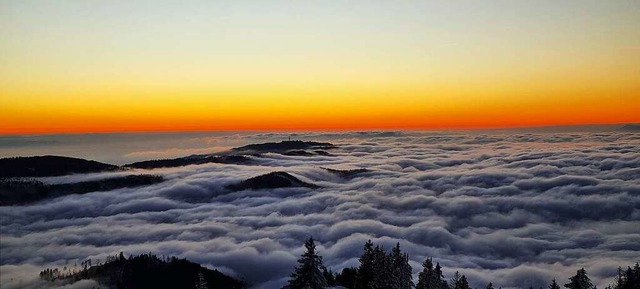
column 514, row 209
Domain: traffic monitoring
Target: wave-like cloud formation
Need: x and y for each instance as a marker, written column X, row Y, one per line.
column 514, row 209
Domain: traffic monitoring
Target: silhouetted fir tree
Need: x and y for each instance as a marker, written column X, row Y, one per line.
column 489, row 286
column 627, row 279
column 382, row 272
column 347, row 278
column 464, row 284
column 401, row 270
column 632, row 277
column 438, row 274
column 407, row 273
column 459, row 281
column 329, row 276
column 425, row 275
column 308, row 274
column 430, row 277
column 619, row 281
column 554, row 284
column 365, row 271
column 580, row 281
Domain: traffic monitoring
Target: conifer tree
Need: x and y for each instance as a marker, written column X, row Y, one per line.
column 365, row 271
column 329, row 276
column 382, row 272
column 489, row 286
column 580, row 281
column 554, row 284
column 459, row 281
column 309, row 273
column 439, row 277
column 628, row 279
column 425, row 275
column 430, row 277
column 347, row 278
column 402, row 273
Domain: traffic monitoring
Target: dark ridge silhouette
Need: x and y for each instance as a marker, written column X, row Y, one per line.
column 284, row 146
column 191, row 160
column 347, row 174
column 631, row 127
column 298, row 153
column 271, row 181
column 145, row 271
column 304, row 153
column 22, row 191
column 240, row 155
column 49, row 166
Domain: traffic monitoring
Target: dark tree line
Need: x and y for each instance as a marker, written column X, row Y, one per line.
column 627, row 279
column 144, row 271
column 379, row 270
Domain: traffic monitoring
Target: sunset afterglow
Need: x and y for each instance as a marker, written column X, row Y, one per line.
column 76, row 66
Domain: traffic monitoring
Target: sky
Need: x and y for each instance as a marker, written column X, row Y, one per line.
column 118, row 66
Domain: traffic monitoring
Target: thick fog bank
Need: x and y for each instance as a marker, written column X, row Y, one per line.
column 516, row 209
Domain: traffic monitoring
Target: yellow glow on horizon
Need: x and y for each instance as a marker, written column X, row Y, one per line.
column 334, row 66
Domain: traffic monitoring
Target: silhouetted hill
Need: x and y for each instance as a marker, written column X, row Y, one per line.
column 191, row 160
column 304, row 153
column 148, row 271
column 283, row 147
column 347, row 174
column 46, row 166
column 631, row 127
column 270, row 181
column 240, row 155
column 298, row 153
column 22, row 191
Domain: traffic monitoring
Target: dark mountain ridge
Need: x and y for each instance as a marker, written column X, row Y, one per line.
column 241, row 155
column 23, row 191
column 271, row 180
column 49, row 166
column 17, row 187
column 632, row 127
column 347, row 174
column 284, row 146
column 190, row 160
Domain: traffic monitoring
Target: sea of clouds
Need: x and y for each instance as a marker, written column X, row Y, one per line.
column 513, row 208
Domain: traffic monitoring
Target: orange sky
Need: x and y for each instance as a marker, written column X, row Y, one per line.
column 78, row 67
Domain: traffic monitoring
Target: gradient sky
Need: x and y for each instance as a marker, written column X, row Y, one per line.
column 93, row 66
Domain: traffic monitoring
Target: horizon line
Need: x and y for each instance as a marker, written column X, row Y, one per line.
column 450, row 128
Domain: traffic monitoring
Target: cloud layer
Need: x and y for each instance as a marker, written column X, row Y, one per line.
column 516, row 209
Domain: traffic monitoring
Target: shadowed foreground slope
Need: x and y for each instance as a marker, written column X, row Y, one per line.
column 146, row 271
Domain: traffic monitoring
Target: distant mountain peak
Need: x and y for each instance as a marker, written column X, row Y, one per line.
column 271, row 180
column 284, row 146
column 631, row 127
